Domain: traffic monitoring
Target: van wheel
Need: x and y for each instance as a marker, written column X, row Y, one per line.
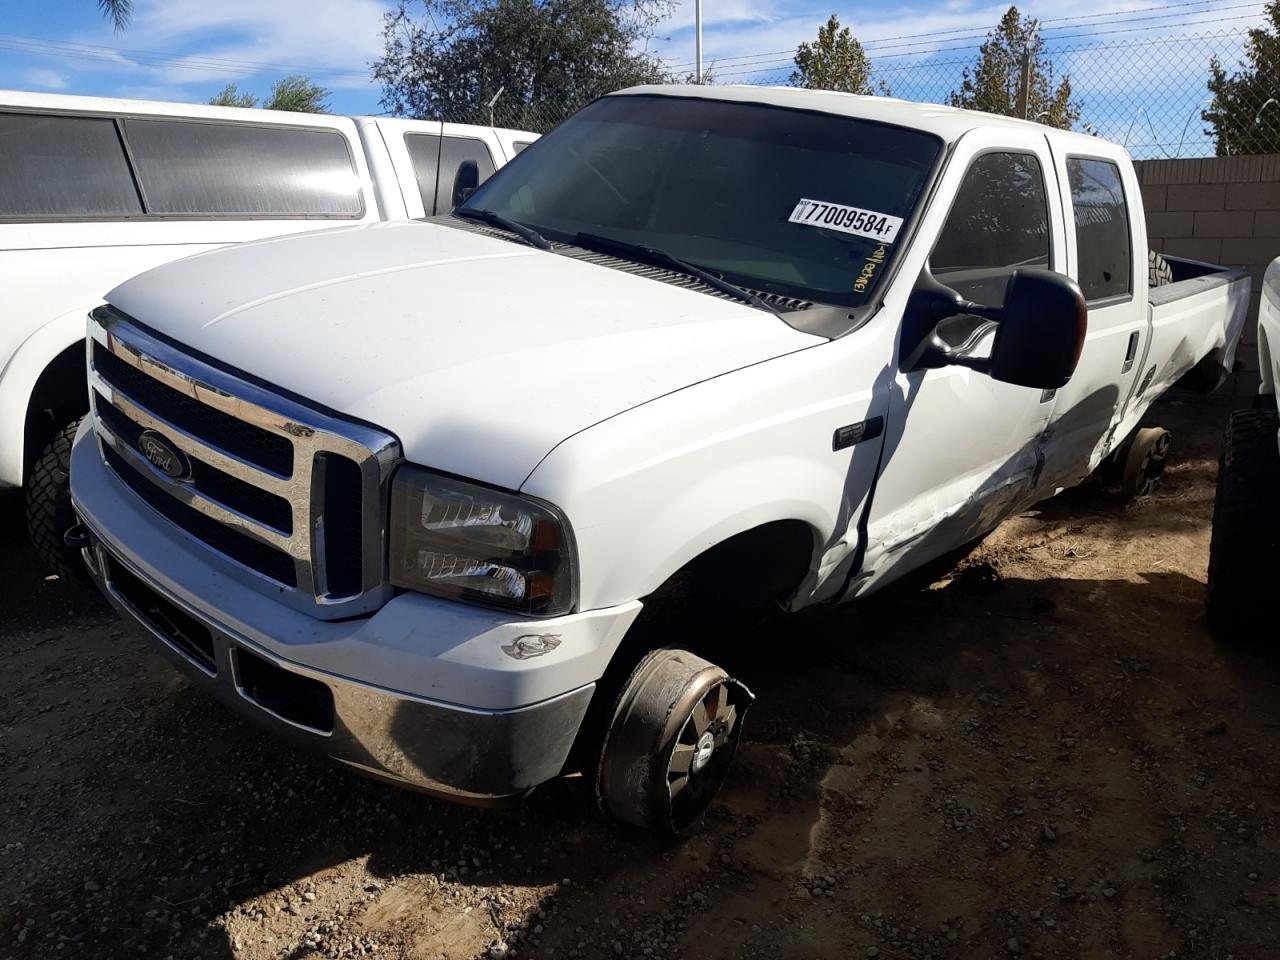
column 1144, row 462
column 1246, row 528
column 670, row 743
column 49, row 510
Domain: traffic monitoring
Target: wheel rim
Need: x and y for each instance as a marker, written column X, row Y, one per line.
column 701, row 754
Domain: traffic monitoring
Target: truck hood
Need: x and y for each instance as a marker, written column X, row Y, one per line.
column 480, row 354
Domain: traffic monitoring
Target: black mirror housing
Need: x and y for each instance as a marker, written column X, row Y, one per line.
column 1041, row 331
column 465, row 181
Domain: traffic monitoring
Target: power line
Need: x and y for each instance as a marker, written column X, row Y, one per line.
column 976, row 33
column 773, row 66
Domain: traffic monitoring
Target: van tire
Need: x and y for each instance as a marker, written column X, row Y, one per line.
column 1159, row 272
column 49, row 511
column 1246, row 528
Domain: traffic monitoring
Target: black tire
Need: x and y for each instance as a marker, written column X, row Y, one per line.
column 1159, row 273
column 1246, row 528
column 49, row 510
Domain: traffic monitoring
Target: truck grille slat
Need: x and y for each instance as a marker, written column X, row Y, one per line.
column 288, row 494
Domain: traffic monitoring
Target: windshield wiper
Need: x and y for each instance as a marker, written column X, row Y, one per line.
column 527, row 234
column 660, row 258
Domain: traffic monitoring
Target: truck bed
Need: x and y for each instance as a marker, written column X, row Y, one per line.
column 1195, row 321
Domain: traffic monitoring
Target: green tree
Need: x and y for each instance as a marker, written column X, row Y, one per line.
column 995, row 83
column 119, row 12
column 835, row 61
column 299, row 94
column 543, row 59
column 230, row 96
column 1245, row 113
column 296, row 93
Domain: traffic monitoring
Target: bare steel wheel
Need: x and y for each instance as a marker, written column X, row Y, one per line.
column 1145, row 462
column 671, row 741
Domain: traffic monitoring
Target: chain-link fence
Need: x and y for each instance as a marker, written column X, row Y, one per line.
column 1151, row 94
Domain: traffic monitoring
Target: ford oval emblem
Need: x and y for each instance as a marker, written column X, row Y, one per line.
column 164, row 456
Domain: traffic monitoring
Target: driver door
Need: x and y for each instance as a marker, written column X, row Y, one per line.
column 962, row 450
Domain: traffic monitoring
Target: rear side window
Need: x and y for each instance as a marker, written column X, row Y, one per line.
column 999, row 222
column 518, row 145
column 454, row 152
column 63, row 167
column 222, row 169
column 424, row 155
column 1102, row 228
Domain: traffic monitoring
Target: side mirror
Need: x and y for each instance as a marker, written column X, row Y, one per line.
column 1039, row 332
column 465, row 181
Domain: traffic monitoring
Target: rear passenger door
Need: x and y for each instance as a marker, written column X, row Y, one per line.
column 1105, row 249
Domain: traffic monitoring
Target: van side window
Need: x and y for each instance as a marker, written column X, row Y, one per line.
column 999, row 222
column 424, row 155
column 225, row 170
column 1102, row 228
column 63, row 167
column 519, row 145
column 454, row 152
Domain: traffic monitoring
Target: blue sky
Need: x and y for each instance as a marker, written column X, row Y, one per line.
column 1137, row 88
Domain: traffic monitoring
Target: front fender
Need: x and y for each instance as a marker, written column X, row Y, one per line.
column 651, row 489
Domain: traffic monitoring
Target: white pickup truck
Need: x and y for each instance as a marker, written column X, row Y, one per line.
column 1244, row 555
column 94, row 190
column 412, row 492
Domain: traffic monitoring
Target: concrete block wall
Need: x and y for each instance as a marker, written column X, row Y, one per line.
column 1220, row 209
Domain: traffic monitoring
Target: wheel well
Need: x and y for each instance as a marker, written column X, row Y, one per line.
column 60, row 396
column 697, row 605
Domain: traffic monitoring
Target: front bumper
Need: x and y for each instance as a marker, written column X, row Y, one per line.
column 481, row 707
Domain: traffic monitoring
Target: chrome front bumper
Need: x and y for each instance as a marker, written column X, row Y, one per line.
column 438, row 695
column 471, row 755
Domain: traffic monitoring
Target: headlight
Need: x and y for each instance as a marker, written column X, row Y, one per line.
column 456, row 539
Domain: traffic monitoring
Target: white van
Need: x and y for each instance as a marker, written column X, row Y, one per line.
column 96, row 190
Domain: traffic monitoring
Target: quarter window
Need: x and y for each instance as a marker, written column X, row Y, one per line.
column 999, row 222
column 1102, row 228
column 61, row 167
column 220, row 169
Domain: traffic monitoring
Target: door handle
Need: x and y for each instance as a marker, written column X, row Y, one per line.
column 1131, row 353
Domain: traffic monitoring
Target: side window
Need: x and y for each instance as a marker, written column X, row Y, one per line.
column 424, row 155
column 63, row 167
column 999, row 222
column 454, row 152
column 1102, row 228
column 223, row 169
column 519, row 145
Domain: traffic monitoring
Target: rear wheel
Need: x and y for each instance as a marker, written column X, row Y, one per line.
column 1144, row 462
column 49, row 511
column 671, row 741
column 1246, row 528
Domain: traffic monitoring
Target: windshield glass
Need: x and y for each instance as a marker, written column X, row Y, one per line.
column 785, row 201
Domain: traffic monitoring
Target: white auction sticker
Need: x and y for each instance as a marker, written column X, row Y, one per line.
column 837, row 216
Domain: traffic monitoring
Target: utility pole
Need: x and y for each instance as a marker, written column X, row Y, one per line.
column 1024, row 74
column 697, row 19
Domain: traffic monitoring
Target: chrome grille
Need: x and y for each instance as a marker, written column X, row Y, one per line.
column 287, row 496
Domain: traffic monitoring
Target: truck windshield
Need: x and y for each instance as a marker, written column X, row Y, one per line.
column 791, row 202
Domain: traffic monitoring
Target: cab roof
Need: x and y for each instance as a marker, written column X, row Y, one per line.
column 949, row 123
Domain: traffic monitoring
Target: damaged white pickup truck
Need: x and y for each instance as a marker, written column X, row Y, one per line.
column 408, row 492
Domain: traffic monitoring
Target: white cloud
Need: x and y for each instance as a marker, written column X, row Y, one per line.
column 38, row 78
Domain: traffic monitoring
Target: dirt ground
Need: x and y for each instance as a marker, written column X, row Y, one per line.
column 1041, row 754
